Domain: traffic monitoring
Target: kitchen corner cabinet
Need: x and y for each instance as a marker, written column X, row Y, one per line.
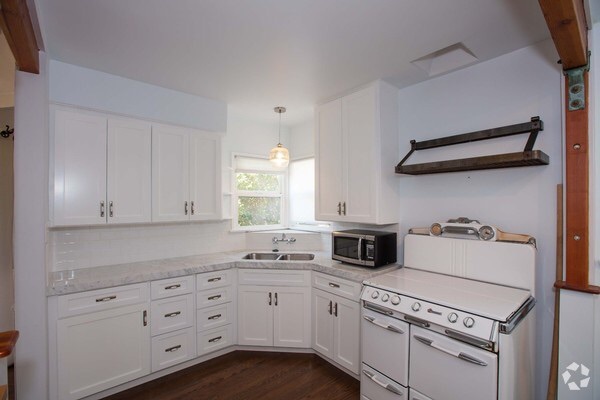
column 274, row 315
column 185, row 179
column 102, row 169
column 336, row 320
column 356, row 150
column 102, row 341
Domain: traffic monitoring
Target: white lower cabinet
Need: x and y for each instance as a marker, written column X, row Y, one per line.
column 215, row 311
column 108, row 337
column 336, row 326
column 102, row 349
column 173, row 348
column 172, row 310
column 275, row 315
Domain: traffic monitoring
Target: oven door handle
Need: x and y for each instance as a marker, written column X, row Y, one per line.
column 382, row 325
column 457, row 354
column 387, row 386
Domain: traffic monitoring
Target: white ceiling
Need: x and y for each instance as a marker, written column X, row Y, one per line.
column 257, row 54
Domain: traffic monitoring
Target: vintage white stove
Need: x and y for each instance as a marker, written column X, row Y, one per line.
column 456, row 322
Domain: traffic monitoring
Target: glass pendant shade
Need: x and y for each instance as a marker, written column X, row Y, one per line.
column 279, row 156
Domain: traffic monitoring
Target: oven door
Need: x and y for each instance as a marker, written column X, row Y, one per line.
column 385, row 345
column 444, row 368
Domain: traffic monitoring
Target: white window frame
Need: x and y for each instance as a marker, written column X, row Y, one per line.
column 236, row 194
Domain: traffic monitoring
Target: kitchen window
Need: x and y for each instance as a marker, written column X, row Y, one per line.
column 259, row 194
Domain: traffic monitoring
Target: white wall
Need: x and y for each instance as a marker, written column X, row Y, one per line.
column 30, row 216
column 302, row 140
column 503, row 91
column 85, row 87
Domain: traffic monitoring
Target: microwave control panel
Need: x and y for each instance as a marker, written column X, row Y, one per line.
column 370, row 250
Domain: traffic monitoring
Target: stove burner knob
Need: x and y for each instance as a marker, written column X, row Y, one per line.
column 385, row 297
column 469, row 322
column 453, row 317
column 375, row 294
column 416, row 306
column 395, row 300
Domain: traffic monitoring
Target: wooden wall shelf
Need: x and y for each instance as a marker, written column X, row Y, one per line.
column 528, row 157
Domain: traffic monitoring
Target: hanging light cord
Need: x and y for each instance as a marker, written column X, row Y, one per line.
column 279, row 142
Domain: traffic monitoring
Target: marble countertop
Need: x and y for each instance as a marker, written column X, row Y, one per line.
column 79, row 280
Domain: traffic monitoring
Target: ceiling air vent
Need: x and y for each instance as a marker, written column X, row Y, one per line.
column 445, row 60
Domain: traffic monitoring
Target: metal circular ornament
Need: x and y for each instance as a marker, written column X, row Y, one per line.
column 486, row 232
column 436, row 229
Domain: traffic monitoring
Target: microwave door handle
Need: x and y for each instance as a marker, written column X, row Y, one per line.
column 360, row 242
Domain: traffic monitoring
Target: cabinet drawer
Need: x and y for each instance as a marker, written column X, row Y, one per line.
column 171, row 287
column 215, row 339
column 273, row 277
column 212, row 317
column 102, row 299
column 173, row 348
column 172, row 313
column 215, row 279
column 341, row 287
column 207, row 298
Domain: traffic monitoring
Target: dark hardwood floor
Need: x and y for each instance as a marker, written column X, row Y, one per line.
column 245, row 375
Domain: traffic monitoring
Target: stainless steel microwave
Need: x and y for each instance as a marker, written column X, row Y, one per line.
column 364, row 247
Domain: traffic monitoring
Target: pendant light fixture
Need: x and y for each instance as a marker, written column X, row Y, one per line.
column 279, row 156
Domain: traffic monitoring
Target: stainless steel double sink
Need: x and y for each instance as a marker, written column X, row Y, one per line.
column 279, row 256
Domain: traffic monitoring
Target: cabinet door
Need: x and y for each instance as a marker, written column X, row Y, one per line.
column 79, row 168
column 255, row 315
column 359, row 138
column 328, row 161
column 346, row 333
column 291, row 317
column 170, row 173
column 322, row 322
column 103, row 349
column 205, row 176
column 129, row 171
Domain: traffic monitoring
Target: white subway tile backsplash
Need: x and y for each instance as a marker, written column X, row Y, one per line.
column 84, row 247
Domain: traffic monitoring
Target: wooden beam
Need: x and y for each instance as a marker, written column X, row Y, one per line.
column 16, row 24
column 568, row 27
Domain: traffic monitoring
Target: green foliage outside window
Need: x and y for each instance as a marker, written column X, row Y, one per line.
column 254, row 209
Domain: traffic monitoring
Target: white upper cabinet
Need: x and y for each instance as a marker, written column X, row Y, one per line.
column 102, row 169
column 129, row 171
column 329, row 166
column 356, row 151
column 170, row 173
column 205, row 176
column 185, row 171
column 79, row 168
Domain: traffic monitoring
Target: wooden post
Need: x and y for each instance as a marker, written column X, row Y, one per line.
column 16, row 24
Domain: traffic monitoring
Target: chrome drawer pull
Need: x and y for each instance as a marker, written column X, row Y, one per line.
column 457, row 354
column 105, row 299
column 173, row 314
column 384, row 326
column 213, row 340
column 217, row 279
column 386, row 386
column 417, row 321
column 216, row 297
column 216, row 316
column 172, row 349
column 171, row 287
column 334, row 285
